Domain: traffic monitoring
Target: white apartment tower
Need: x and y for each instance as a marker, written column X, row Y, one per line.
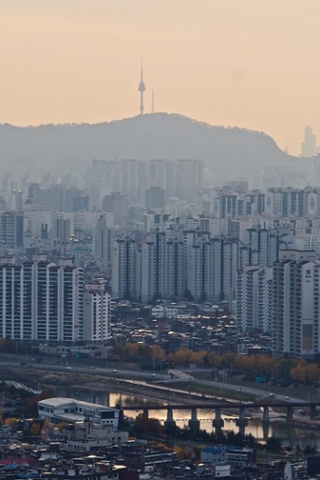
column 96, row 313
column 41, row 301
column 295, row 324
column 254, row 299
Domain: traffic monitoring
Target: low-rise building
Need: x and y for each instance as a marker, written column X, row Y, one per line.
column 88, row 436
column 60, row 409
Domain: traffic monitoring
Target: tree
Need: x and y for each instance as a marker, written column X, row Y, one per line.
column 35, row 428
column 11, row 422
column 183, row 452
column 309, row 450
column 157, row 353
column 62, row 425
column 273, row 443
column 144, row 427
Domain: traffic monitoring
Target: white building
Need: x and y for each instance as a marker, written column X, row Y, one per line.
column 60, row 409
column 171, row 310
column 41, row 301
column 96, row 313
column 87, row 436
column 295, row 328
column 254, row 299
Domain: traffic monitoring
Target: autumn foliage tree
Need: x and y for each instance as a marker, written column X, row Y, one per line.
column 266, row 365
column 135, row 351
column 305, row 372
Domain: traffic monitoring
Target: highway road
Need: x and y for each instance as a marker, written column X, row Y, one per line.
column 250, row 390
column 108, row 372
column 145, row 378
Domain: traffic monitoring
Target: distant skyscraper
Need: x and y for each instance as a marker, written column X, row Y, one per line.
column 141, row 89
column 102, row 241
column 309, row 146
column 11, row 229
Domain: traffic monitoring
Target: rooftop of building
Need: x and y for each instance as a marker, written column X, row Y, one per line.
column 56, row 402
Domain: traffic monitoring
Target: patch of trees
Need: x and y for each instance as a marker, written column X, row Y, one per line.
column 139, row 352
column 285, row 369
column 146, row 428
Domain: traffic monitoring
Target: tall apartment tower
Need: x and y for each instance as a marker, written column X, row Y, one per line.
column 41, row 301
column 175, row 269
column 96, row 313
column 153, row 267
column 188, row 178
column 295, row 316
column 254, row 299
column 264, row 244
column 226, row 258
column 124, row 268
column 11, row 229
column 102, row 241
column 200, row 268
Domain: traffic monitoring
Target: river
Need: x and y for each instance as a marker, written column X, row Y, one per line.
column 290, row 435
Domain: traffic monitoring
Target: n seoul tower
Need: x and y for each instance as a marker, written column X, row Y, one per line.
column 141, row 89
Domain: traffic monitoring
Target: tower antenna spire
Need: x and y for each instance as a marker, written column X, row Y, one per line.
column 141, row 89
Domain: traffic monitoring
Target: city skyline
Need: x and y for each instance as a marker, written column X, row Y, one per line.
column 239, row 64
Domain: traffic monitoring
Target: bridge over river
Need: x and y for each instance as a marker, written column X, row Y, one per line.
column 240, row 408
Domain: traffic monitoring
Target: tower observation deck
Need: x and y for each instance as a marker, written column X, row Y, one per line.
column 141, row 89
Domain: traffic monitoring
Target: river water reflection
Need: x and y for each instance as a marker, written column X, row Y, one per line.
column 290, row 435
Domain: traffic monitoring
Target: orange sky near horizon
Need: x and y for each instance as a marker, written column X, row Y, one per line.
column 249, row 63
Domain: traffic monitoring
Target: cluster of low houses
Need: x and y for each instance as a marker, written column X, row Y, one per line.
column 89, row 444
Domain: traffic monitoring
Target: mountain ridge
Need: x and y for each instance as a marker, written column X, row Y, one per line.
column 70, row 148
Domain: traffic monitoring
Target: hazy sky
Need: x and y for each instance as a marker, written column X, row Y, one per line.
column 247, row 63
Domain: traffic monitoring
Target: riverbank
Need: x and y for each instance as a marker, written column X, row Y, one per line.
column 140, row 392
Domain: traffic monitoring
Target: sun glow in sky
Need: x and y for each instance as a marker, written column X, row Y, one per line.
column 247, row 63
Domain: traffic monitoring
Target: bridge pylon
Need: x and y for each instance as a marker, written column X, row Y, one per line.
column 218, row 422
column 194, row 423
column 242, row 422
column 313, row 411
column 169, row 421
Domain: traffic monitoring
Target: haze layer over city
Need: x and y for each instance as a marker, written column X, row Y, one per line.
column 159, row 239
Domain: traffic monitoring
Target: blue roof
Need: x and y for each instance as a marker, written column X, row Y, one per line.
column 213, row 449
